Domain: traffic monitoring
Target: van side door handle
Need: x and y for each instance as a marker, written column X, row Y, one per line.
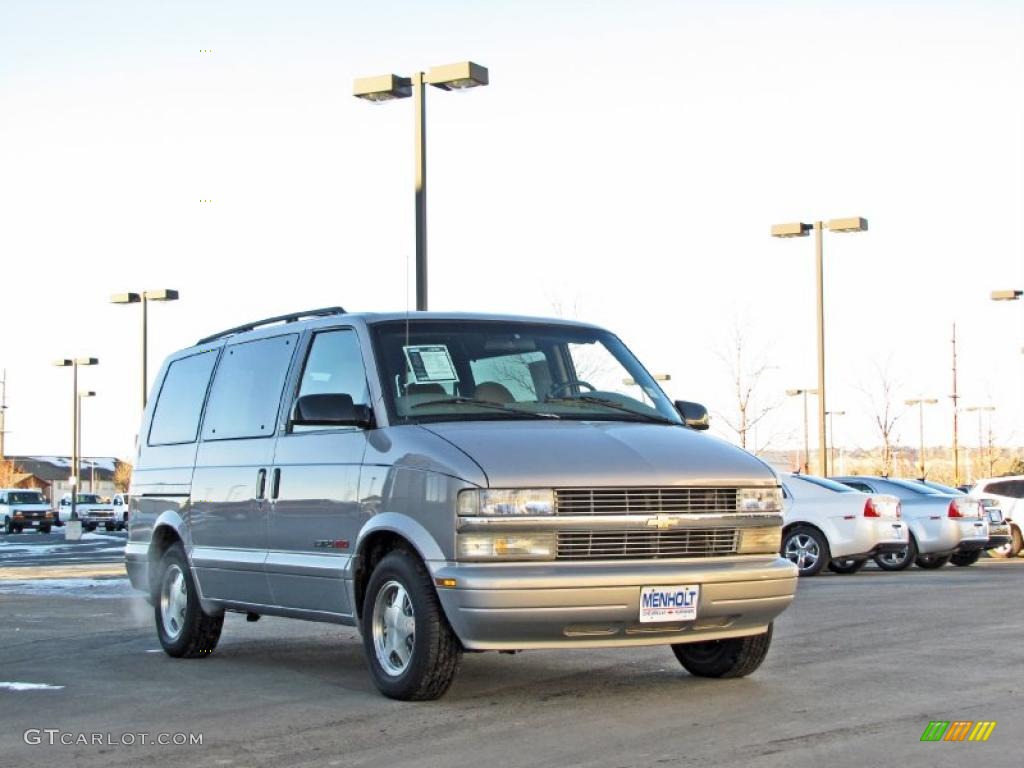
column 275, row 485
column 261, row 484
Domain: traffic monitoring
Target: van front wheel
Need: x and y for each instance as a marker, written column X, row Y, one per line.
column 735, row 657
column 184, row 630
column 412, row 652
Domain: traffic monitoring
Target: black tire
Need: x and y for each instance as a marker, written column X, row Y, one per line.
column 807, row 548
column 735, row 657
column 963, row 559
column 434, row 651
column 199, row 632
column 845, row 566
column 90, row 527
column 931, row 562
column 44, row 529
column 9, row 527
column 898, row 561
column 1013, row 548
column 110, row 527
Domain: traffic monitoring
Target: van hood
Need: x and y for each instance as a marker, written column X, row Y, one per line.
column 566, row 454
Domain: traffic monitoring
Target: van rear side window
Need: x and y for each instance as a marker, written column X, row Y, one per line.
column 180, row 403
column 247, row 389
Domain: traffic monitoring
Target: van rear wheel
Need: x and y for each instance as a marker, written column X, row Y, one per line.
column 412, row 652
column 185, row 631
column 735, row 657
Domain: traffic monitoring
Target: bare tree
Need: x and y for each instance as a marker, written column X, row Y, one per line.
column 122, row 475
column 8, row 471
column 746, row 371
column 883, row 400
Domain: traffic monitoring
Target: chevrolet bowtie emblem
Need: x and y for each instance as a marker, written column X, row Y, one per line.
column 661, row 522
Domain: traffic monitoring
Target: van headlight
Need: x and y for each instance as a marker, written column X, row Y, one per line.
column 506, row 546
column 516, row 502
column 759, row 500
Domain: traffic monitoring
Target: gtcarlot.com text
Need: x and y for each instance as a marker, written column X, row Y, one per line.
column 55, row 736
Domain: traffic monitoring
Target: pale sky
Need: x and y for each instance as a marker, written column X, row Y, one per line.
column 625, row 164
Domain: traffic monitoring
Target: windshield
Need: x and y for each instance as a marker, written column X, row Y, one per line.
column 88, row 498
column 25, row 497
column 823, row 482
column 462, row 370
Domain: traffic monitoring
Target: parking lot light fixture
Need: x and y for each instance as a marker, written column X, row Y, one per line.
column 381, row 88
column 921, row 402
column 1007, row 295
column 449, row 77
column 73, row 364
column 160, row 294
column 807, row 440
column 849, row 224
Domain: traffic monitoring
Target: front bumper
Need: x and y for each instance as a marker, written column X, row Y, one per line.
column 516, row 606
column 29, row 520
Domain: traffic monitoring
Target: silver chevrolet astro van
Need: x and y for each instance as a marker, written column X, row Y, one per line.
column 449, row 483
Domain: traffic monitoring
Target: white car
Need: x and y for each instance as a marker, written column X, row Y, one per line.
column 91, row 510
column 1009, row 492
column 941, row 525
column 21, row 509
column 830, row 524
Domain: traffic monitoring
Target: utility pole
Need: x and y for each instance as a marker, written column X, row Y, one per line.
column 956, row 416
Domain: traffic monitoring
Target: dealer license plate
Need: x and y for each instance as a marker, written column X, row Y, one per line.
column 674, row 603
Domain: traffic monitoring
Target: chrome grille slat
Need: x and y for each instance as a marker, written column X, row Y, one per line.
column 644, row 501
column 689, row 542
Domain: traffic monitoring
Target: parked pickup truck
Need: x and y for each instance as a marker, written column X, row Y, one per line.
column 91, row 510
column 21, row 509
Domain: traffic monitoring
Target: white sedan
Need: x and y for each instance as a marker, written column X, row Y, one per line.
column 826, row 523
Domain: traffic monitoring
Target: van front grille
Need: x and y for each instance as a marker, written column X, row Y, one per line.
column 646, row 545
column 644, row 501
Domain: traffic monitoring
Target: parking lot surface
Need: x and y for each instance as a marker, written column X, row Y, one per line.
column 859, row 667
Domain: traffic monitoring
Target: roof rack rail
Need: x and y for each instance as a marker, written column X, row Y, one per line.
column 289, row 318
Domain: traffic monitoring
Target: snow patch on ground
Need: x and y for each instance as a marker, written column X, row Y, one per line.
column 87, row 588
column 30, row 687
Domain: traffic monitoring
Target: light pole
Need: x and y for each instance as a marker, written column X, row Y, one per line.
column 807, row 439
column 832, row 434
column 979, row 409
column 73, row 364
column 163, row 294
column 3, row 414
column 921, row 402
column 82, row 394
column 799, row 229
column 450, row 77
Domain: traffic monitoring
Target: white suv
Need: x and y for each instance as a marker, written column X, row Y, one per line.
column 1009, row 492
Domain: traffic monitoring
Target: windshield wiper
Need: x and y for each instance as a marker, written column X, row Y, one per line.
column 607, row 403
column 487, row 404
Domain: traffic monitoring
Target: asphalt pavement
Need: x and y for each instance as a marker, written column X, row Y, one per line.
column 859, row 666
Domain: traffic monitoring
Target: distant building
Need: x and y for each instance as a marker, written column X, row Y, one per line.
column 51, row 474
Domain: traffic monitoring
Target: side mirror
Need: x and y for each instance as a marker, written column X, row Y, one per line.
column 330, row 410
column 695, row 415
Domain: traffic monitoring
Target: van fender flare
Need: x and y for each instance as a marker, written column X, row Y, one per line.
column 406, row 527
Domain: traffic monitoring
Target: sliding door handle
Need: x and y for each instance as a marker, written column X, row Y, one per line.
column 275, row 485
column 261, row 484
